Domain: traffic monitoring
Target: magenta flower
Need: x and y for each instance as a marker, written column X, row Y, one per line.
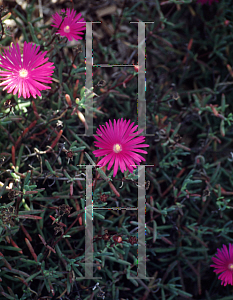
column 24, row 73
column 206, row 1
column 72, row 25
column 119, row 145
column 224, row 264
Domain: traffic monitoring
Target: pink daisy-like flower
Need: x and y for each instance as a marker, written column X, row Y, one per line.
column 119, row 145
column 72, row 25
column 24, row 73
column 224, row 264
column 206, row 1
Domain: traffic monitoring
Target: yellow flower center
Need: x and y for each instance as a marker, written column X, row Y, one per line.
column 23, row 73
column 67, row 29
column 117, row 148
column 230, row 267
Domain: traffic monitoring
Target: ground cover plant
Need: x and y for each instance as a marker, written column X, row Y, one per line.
column 66, row 177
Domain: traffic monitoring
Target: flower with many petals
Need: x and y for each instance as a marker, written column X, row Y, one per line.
column 71, row 26
column 119, row 144
column 224, row 264
column 25, row 73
